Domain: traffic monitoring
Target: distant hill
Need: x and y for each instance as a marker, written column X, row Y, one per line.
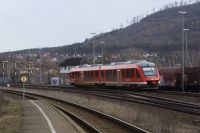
column 158, row 32
column 156, row 37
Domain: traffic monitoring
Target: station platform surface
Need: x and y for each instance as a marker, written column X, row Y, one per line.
column 40, row 117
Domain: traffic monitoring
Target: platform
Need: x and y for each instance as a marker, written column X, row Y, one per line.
column 40, row 117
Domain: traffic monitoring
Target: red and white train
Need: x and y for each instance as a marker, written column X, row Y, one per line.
column 132, row 74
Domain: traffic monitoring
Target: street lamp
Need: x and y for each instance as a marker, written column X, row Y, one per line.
column 29, row 68
column 183, row 51
column 15, row 68
column 3, row 63
column 93, row 47
column 40, row 65
column 186, row 47
column 102, row 51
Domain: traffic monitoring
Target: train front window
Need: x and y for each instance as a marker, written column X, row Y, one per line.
column 149, row 71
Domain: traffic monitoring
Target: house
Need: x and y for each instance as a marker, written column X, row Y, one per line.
column 66, row 66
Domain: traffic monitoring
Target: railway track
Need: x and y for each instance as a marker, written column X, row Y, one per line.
column 175, row 105
column 94, row 121
column 190, row 94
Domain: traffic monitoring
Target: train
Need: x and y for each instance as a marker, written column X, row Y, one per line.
column 131, row 74
column 171, row 78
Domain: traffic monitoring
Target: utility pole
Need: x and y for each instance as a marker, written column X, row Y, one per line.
column 183, row 51
column 93, row 47
column 30, row 64
column 3, row 72
column 15, row 69
column 76, row 54
column 40, row 67
column 102, row 51
column 186, row 47
column 4, row 62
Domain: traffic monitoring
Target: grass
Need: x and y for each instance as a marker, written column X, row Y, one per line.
column 3, row 102
column 10, row 115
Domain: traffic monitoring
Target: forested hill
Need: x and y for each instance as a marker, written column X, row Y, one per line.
column 157, row 34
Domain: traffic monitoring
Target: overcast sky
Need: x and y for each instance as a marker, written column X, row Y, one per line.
column 49, row 23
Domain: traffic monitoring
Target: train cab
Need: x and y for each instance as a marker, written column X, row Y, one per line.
column 151, row 73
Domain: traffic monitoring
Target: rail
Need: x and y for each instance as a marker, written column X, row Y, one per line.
column 118, row 124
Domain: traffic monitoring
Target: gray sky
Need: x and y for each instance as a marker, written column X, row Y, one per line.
column 49, row 23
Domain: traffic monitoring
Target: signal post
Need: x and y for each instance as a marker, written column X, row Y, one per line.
column 24, row 80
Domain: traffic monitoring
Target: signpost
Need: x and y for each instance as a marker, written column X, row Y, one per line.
column 23, row 79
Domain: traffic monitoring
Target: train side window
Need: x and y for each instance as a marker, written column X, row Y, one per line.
column 78, row 74
column 85, row 75
column 107, row 75
column 138, row 74
column 123, row 73
column 110, row 75
column 75, row 74
column 127, row 73
column 89, row 75
column 114, row 75
column 96, row 74
column 92, row 75
column 102, row 74
column 131, row 73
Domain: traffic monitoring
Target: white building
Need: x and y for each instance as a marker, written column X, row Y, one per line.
column 66, row 66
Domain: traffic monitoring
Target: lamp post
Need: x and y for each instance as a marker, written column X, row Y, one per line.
column 3, row 63
column 15, row 68
column 102, row 51
column 29, row 68
column 93, row 47
column 183, row 51
column 186, row 47
column 40, row 66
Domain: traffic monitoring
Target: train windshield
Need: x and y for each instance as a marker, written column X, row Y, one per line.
column 149, row 71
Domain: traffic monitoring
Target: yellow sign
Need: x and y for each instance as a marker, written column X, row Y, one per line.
column 24, row 79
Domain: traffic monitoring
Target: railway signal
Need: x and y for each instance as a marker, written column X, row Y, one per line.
column 24, row 80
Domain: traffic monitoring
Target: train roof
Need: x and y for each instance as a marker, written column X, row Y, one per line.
column 128, row 64
column 86, row 68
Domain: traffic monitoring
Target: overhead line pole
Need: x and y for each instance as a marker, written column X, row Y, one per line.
column 186, row 48
column 183, row 50
column 102, row 51
column 93, row 47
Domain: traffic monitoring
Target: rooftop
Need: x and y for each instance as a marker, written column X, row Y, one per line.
column 75, row 61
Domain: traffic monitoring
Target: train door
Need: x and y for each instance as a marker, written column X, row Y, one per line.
column 118, row 77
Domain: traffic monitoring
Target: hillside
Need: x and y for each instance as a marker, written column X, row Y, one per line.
column 156, row 37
